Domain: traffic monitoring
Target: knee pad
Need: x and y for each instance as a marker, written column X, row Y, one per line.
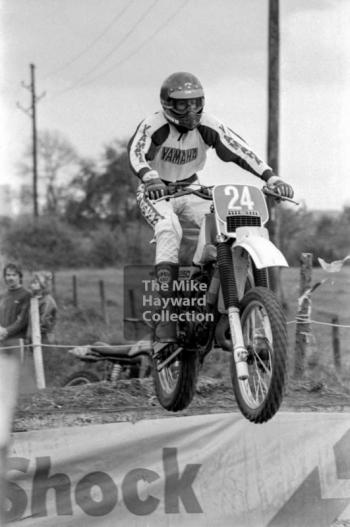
column 169, row 224
column 168, row 235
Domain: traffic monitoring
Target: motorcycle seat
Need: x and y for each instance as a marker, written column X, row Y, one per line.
column 141, row 347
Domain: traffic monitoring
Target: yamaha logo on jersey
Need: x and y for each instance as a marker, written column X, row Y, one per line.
column 177, row 156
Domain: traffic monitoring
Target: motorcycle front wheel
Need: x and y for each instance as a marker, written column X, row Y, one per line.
column 265, row 337
column 175, row 383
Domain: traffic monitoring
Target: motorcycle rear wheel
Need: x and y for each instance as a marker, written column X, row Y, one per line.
column 265, row 337
column 175, row 384
column 81, row 377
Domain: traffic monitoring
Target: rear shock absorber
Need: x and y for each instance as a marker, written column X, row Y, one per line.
column 231, row 301
column 115, row 373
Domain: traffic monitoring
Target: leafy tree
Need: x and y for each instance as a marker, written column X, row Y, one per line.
column 296, row 232
column 325, row 235
column 106, row 194
column 340, row 233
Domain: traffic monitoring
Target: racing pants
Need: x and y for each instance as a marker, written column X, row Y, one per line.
column 167, row 218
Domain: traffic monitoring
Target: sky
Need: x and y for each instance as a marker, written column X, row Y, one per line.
column 99, row 65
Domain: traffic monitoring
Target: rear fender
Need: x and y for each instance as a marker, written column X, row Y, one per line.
column 255, row 240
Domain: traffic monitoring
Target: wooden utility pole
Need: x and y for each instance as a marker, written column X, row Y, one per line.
column 32, row 114
column 34, row 136
column 273, row 86
column 273, row 127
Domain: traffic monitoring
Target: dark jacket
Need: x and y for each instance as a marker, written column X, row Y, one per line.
column 47, row 317
column 14, row 312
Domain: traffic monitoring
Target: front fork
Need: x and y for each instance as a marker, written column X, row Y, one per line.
column 240, row 353
column 231, row 301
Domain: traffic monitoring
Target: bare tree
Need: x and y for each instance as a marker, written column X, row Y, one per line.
column 57, row 164
column 57, row 158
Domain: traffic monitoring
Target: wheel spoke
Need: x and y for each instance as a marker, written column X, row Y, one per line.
column 262, row 383
column 259, row 385
column 268, row 372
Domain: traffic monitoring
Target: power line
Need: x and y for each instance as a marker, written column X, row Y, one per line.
column 114, row 49
column 140, row 46
column 132, row 53
column 93, row 42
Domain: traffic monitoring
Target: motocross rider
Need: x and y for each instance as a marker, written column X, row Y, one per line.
column 170, row 146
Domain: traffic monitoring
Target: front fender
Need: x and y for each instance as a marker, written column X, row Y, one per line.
column 255, row 240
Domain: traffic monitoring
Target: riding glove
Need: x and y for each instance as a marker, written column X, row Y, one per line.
column 283, row 189
column 154, row 186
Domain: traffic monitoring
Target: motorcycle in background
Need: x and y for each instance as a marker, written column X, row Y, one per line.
column 122, row 361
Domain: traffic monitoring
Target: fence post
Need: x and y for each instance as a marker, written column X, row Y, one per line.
column 302, row 327
column 103, row 301
column 336, row 343
column 75, row 291
column 36, row 341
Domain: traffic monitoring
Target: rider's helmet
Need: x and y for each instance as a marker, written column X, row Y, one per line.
column 182, row 99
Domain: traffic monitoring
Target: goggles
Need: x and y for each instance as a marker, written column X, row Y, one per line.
column 184, row 106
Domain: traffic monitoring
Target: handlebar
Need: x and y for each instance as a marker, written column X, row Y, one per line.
column 268, row 192
column 205, row 192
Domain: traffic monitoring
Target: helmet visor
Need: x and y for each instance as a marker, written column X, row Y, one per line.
column 184, row 106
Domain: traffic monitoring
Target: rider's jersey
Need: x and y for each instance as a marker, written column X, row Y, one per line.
column 158, row 145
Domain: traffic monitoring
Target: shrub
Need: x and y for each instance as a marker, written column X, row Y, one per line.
column 138, row 236
column 44, row 242
column 121, row 245
column 107, row 247
column 55, row 244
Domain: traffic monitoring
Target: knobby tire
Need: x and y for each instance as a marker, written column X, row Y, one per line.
column 181, row 394
column 269, row 406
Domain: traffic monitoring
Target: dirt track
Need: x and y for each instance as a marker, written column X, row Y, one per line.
column 134, row 400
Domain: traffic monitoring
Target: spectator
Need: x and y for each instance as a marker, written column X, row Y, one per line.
column 14, row 307
column 40, row 286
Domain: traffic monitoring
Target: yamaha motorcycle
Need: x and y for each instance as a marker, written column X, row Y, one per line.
column 224, row 300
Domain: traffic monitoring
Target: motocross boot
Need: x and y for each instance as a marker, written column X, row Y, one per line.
column 166, row 274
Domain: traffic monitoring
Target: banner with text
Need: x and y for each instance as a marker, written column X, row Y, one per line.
column 191, row 471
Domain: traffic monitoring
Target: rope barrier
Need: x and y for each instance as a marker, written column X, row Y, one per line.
column 301, row 320
column 69, row 346
column 11, row 347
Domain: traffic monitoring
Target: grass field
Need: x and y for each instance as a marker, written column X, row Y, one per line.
column 84, row 323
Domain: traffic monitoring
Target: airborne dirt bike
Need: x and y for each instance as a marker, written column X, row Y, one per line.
column 229, row 304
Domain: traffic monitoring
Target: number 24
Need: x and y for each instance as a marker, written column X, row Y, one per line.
column 244, row 199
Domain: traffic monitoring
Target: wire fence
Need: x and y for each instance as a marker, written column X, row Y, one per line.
column 303, row 319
